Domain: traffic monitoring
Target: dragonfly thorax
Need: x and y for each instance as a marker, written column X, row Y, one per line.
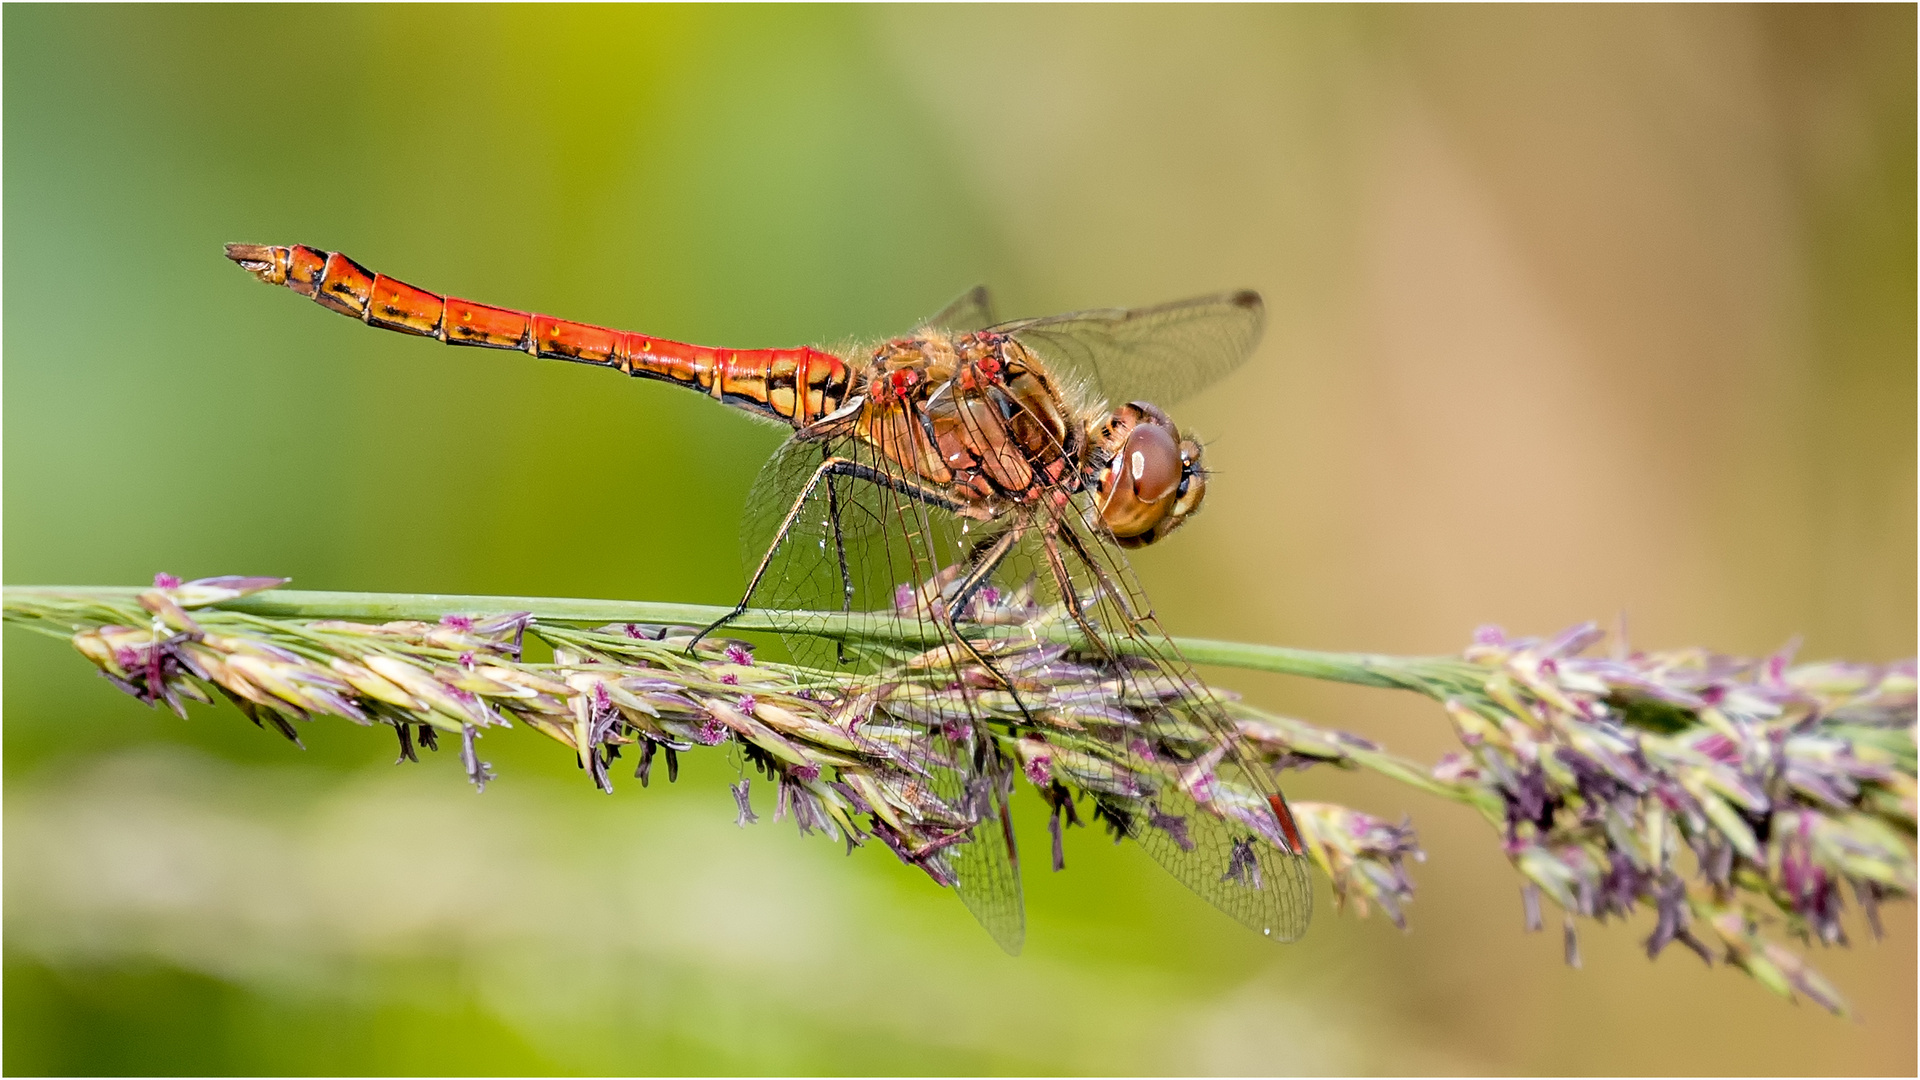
column 981, row 417
column 975, row 415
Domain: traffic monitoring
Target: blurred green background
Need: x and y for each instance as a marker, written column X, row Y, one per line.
column 1574, row 312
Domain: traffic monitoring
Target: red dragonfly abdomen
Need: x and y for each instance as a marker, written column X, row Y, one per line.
column 797, row 386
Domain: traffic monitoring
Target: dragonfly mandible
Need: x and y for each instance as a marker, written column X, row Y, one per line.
column 960, row 480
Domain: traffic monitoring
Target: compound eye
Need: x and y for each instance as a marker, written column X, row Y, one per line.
column 1140, row 487
column 1151, row 460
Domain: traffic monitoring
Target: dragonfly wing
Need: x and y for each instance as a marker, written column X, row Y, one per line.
column 1214, row 820
column 970, row 311
column 849, row 532
column 1159, row 354
column 833, row 540
column 986, row 868
column 1126, row 720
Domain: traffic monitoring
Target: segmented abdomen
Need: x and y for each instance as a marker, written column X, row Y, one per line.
column 795, row 385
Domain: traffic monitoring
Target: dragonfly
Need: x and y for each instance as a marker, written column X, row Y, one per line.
column 958, row 481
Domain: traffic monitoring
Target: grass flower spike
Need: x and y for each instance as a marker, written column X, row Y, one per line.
column 1737, row 801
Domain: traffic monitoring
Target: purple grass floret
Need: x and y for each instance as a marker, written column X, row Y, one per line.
column 479, row 773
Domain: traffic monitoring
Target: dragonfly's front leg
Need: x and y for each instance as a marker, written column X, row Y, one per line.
column 934, row 594
column 1106, row 583
column 989, row 561
column 1069, row 595
column 963, row 596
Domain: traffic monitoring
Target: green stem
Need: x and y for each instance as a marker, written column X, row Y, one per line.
column 1429, row 675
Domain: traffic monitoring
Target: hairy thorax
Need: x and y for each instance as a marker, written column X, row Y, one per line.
column 976, row 415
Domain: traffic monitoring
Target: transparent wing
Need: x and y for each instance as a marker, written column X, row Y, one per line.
column 856, row 534
column 970, row 311
column 1159, row 354
column 1128, row 722
column 852, row 529
column 986, row 867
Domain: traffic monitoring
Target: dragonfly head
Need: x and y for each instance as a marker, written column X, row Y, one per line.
column 1147, row 478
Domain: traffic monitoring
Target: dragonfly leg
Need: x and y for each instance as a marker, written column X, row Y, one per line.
column 831, row 467
column 840, row 553
column 990, row 554
column 1106, row 583
column 1068, row 594
column 963, row 596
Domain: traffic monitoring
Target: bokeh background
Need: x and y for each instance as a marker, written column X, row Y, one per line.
column 1575, row 312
